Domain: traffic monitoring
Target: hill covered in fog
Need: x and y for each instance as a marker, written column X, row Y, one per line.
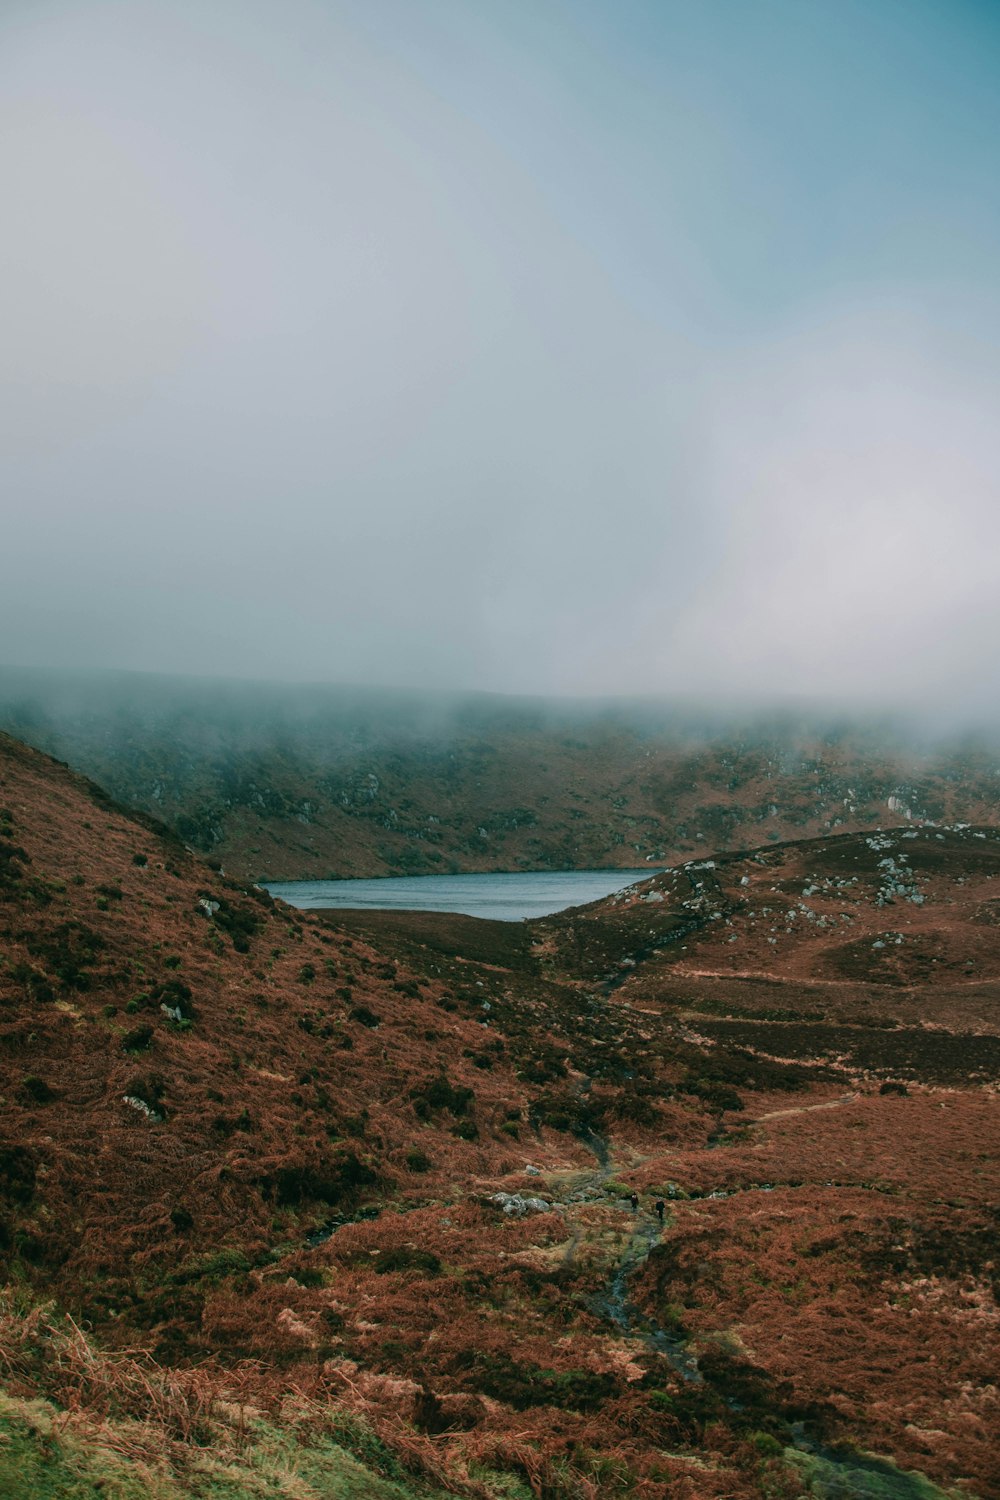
column 287, row 781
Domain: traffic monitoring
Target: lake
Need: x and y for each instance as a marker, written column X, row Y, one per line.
column 501, row 898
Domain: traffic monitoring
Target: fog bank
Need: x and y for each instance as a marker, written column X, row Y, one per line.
column 539, row 349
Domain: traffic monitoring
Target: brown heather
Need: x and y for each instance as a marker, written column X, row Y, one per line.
column 170, row 1288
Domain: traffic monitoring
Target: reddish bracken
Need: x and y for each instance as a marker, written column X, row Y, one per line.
column 284, row 1161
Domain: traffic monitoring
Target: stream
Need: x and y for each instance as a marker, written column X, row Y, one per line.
column 615, row 1306
column 832, row 1473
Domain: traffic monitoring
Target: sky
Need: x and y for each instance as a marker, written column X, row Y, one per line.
column 535, row 346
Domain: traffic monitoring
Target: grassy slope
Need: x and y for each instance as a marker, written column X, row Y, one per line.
column 842, row 1279
column 44, row 1456
column 275, row 1095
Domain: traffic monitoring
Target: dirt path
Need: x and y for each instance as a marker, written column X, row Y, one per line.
column 802, row 1109
column 783, row 979
column 810, row 981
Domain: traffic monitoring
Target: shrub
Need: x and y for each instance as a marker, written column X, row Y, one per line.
column 324, row 1182
column 544, row 1068
column 418, row 1161
column 227, row 1124
column 568, row 1112
column 17, row 1174
column 405, row 1258
column 11, row 855
column 150, row 1088
column 439, row 1093
column 317, row 1023
column 176, row 996
column 308, row 1276
column 239, row 921
column 138, row 1039
column 366, row 1017
column 141, row 860
column 718, row 1096
column 69, row 950
column 35, row 1090
column 632, row 1105
column 36, row 986
column 481, row 1060
column 214, row 1267
column 523, row 1385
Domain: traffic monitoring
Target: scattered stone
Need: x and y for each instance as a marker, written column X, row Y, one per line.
column 143, row 1108
column 516, row 1205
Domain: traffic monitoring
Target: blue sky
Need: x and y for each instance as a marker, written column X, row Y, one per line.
column 787, row 148
column 590, row 347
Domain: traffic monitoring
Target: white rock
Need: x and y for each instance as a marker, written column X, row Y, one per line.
column 517, row 1205
column 142, row 1107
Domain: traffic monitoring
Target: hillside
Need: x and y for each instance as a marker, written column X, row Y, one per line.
column 283, row 1196
column 300, row 782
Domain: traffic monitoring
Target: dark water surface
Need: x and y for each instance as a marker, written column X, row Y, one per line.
column 502, row 898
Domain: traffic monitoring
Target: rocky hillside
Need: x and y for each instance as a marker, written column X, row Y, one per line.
column 295, row 782
column 188, row 1065
column 306, row 1207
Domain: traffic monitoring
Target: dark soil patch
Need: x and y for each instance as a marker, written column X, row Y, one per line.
column 505, row 944
column 930, row 1056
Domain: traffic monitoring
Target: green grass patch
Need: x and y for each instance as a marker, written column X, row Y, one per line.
column 41, row 1458
column 857, row 1475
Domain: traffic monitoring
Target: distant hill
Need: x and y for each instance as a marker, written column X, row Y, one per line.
column 339, row 1204
column 284, row 782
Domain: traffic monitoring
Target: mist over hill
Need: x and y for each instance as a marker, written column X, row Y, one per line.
column 287, row 781
column 608, row 392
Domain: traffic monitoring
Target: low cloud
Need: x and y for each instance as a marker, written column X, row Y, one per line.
column 322, row 362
